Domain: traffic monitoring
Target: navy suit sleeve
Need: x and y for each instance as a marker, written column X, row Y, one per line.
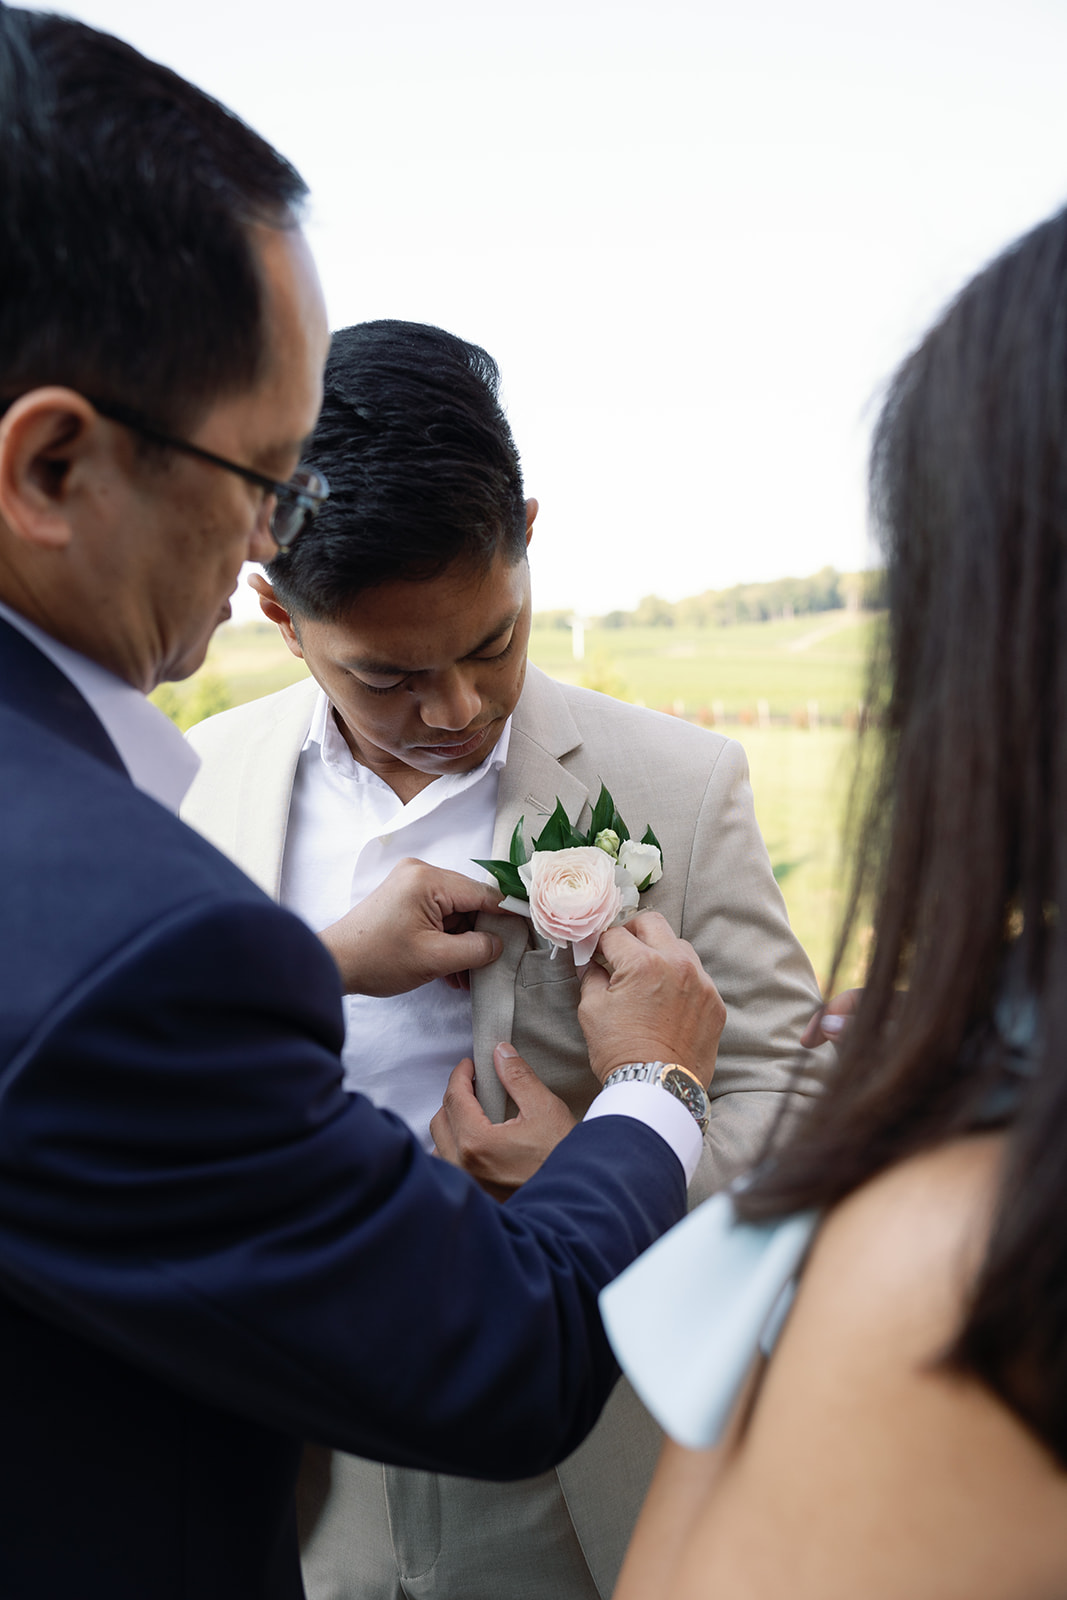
column 184, row 1181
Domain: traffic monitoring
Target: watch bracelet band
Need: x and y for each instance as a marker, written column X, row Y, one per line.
column 654, row 1072
column 642, row 1072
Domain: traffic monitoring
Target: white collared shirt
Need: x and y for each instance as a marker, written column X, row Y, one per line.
column 347, row 831
column 155, row 755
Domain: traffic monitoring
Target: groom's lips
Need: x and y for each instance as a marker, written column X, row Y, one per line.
column 456, row 750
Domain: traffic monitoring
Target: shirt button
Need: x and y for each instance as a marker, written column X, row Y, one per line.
column 385, row 838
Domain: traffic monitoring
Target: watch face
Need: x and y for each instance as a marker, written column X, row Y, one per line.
column 689, row 1092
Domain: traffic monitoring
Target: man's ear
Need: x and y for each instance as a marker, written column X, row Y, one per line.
column 532, row 509
column 275, row 612
column 46, row 438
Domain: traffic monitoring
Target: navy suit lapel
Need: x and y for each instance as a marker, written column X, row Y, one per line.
column 35, row 688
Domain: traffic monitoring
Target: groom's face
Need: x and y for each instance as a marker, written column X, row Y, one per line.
column 423, row 675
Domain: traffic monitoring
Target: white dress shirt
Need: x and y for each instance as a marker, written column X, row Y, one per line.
column 347, row 831
column 152, row 750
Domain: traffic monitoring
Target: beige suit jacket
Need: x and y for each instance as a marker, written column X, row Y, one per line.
column 717, row 890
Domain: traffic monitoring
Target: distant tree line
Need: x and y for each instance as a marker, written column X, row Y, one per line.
column 826, row 590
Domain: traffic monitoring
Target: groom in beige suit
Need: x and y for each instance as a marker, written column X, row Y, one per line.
column 422, row 732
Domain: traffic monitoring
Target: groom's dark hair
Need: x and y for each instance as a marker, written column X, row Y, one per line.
column 422, row 468
column 127, row 267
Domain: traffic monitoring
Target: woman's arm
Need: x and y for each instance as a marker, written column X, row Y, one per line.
column 865, row 1468
column 684, row 1482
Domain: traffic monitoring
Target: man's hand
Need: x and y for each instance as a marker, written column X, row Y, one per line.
column 501, row 1156
column 831, row 1022
column 645, row 997
column 415, row 927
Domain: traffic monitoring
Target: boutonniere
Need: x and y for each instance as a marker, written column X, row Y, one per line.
column 574, row 885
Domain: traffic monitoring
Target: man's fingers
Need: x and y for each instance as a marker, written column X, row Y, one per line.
column 651, row 928
column 647, row 928
column 522, row 1082
column 447, row 953
column 657, row 1005
column 614, row 945
column 454, row 892
column 500, row 1156
column 543, row 1120
column 444, row 1146
column 468, row 896
column 594, row 977
column 459, row 1109
column 460, row 1084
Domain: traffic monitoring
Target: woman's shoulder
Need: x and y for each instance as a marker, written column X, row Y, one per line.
column 867, row 1464
column 907, row 1246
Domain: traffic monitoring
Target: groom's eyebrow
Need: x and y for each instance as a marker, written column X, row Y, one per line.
column 382, row 668
column 497, row 633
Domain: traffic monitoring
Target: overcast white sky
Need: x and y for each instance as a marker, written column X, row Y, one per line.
column 696, row 237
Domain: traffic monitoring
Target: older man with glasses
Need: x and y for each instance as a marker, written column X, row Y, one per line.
column 295, row 502
column 208, row 1250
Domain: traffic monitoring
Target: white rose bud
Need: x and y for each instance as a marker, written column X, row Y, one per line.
column 608, row 840
column 642, row 861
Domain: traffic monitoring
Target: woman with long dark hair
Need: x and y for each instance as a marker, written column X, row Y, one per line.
column 908, row 1435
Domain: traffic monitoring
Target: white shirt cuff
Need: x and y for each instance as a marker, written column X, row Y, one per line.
column 659, row 1110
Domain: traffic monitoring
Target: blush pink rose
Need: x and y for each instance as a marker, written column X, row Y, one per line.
column 573, row 897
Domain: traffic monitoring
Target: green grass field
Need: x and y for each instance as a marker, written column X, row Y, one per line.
column 802, row 669
column 723, row 671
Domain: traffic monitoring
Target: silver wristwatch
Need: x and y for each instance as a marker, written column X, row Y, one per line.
column 679, row 1081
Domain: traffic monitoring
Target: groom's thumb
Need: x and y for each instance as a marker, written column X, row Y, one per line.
column 517, row 1075
column 513, row 1072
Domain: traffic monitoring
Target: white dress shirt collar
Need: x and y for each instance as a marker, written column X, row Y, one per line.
column 336, row 755
column 155, row 755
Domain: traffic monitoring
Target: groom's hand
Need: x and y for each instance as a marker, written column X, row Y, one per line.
column 416, row 926
column 501, row 1156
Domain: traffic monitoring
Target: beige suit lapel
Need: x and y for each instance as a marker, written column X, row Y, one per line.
column 240, row 799
column 266, row 796
column 542, row 731
column 267, row 788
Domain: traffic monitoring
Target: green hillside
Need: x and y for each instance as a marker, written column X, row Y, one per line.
column 816, row 658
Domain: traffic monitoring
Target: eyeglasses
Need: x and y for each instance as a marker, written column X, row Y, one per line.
column 298, row 501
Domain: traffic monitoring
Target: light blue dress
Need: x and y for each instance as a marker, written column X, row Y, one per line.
column 688, row 1318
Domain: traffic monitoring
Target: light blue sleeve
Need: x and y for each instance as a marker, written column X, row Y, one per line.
column 687, row 1319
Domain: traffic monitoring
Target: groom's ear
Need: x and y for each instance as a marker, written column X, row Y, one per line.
column 531, row 512
column 275, row 612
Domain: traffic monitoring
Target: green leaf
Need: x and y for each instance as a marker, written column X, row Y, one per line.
column 620, row 827
column 553, row 835
column 507, row 877
column 517, row 853
column 603, row 812
column 650, row 838
column 557, row 834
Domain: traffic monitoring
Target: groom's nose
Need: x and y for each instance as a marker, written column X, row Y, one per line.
column 451, row 701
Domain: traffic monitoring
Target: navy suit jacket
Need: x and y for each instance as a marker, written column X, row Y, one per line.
column 209, row 1251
